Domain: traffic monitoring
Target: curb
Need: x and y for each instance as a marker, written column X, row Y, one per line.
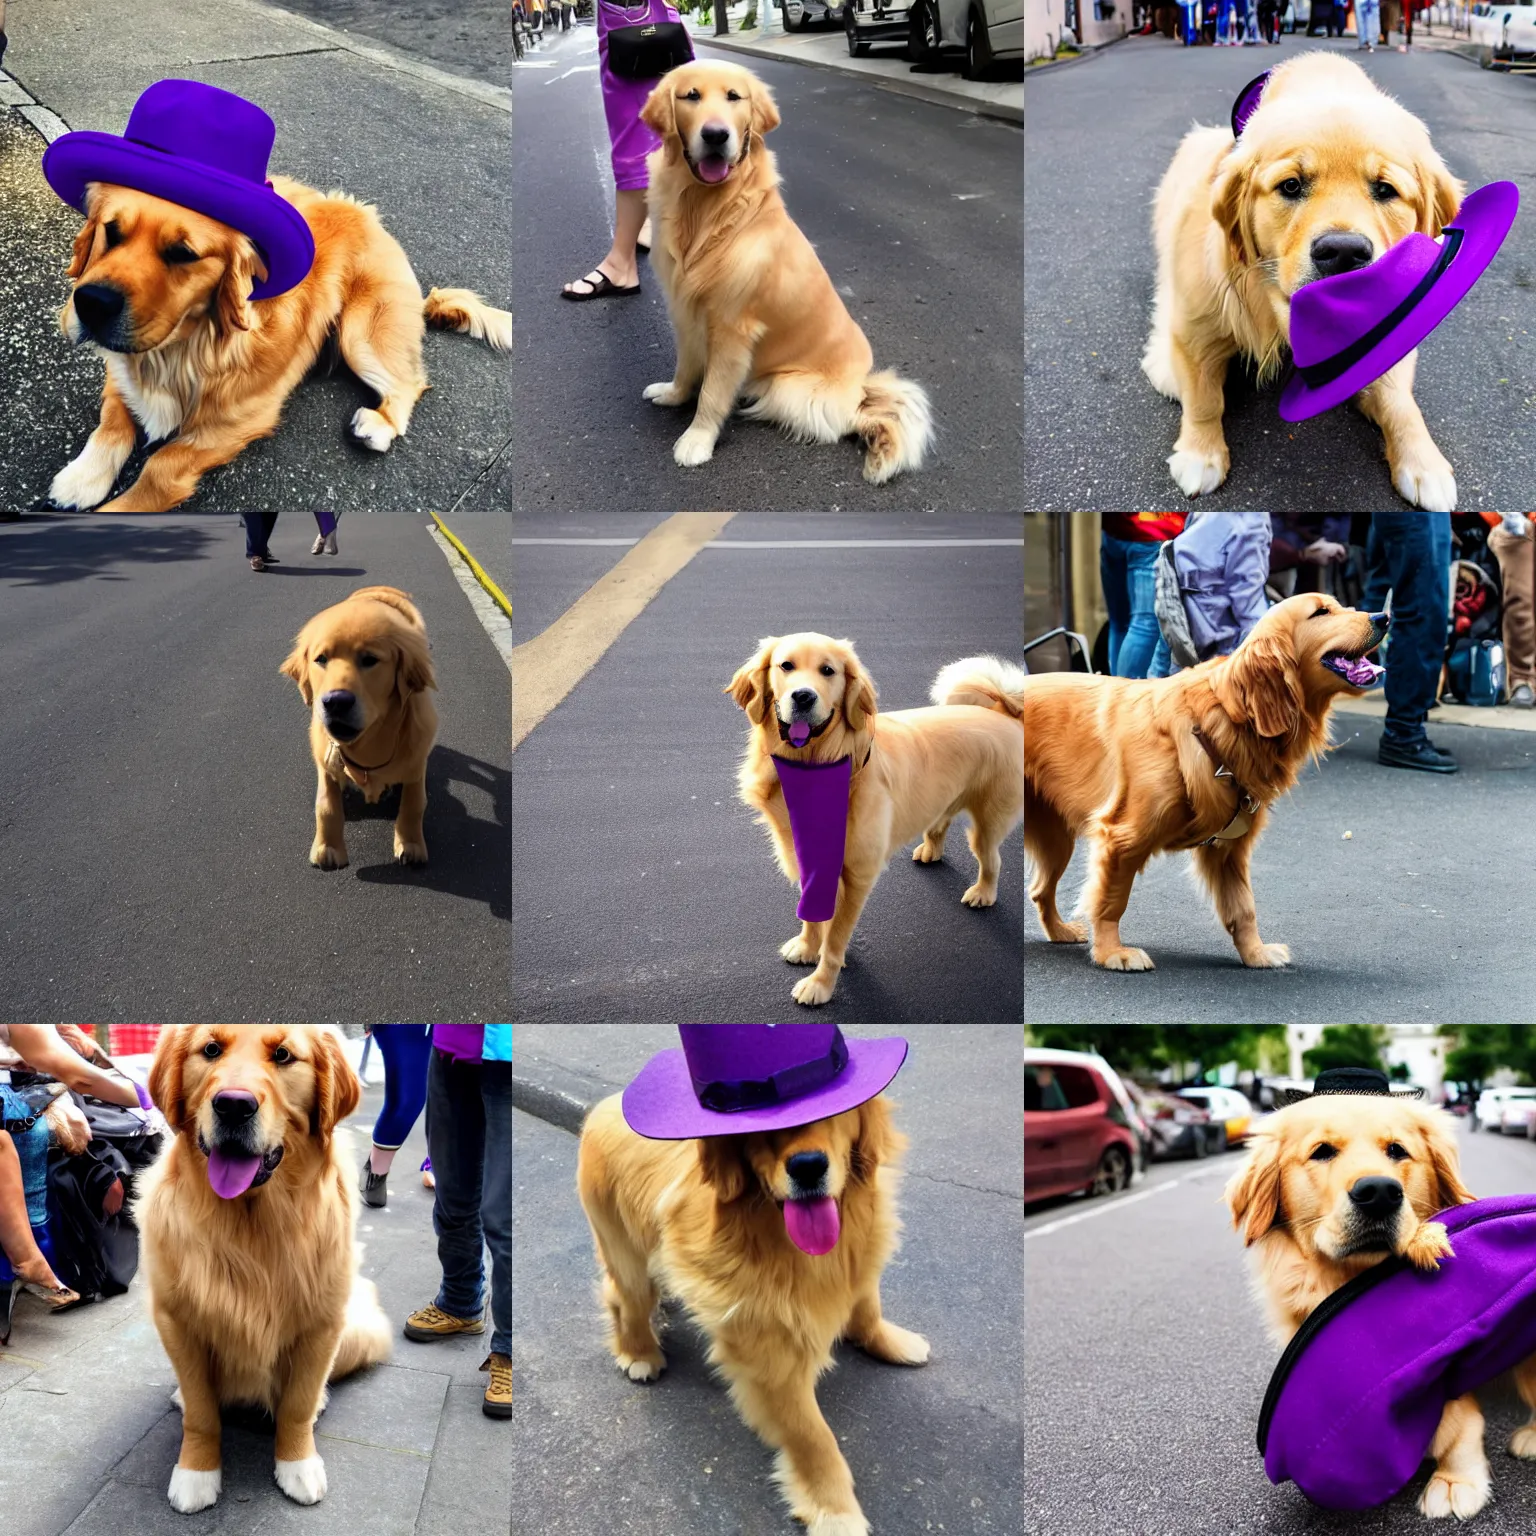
column 557, row 1096
column 1082, row 56
column 1001, row 111
column 497, row 596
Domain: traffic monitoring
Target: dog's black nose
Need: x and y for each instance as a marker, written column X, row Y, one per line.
column 98, row 306
column 338, row 701
column 234, row 1108
column 803, row 698
column 1376, row 1197
column 807, row 1169
column 1340, row 250
column 715, row 134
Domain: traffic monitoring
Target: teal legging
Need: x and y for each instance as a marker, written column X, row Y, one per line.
column 406, row 1049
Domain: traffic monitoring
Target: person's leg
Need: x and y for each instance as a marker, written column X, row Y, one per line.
column 1142, row 633
column 1417, row 550
column 258, row 529
column 456, row 1140
column 16, row 1239
column 1117, row 601
column 621, row 264
column 496, row 1196
column 1517, row 570
column 405, row 1049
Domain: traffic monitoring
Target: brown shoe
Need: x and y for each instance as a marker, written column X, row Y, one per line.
column 498, row 1396
column 431, row 1322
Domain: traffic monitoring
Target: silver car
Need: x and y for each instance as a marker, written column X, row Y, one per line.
column 800, row 14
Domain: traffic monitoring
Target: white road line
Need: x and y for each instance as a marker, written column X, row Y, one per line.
column 495, row 623
column 1118, row 1204
column 803, row 543
column 575, row 69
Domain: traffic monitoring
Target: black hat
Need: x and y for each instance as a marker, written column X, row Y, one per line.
column 1347, row 1080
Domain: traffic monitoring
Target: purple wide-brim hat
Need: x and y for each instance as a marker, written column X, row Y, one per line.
column 731, row 1079
column 816, row 797
column 1347, row 331
column 202, row 148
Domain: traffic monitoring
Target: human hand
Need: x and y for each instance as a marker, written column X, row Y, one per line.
column 1324, row 552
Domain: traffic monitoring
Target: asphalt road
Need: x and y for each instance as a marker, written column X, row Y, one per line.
column 469, row 37
column 642, row 889
column 157, row 806
column 932, row 1450
column 913, row 208
column 1100, row 136
column 1147, row 1361
column 1382, row 925
column 430, row 154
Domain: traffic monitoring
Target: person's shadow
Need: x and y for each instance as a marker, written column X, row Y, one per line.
column 44, row 551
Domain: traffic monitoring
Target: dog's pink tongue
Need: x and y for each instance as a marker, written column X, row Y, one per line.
column 799, row 733
column 714, row 168
column 231, row 1176
column 813, row 1225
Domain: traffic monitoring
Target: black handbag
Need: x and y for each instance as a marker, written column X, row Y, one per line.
column 648, row 51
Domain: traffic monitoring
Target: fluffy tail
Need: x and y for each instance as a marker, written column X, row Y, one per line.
column 988, row 681
column 896, row 423
column 458, row 309
column 366, row 1338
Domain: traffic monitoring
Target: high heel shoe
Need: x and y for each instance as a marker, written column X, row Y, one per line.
column 56, row 1298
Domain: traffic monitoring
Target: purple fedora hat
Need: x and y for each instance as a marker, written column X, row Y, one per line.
column 205, row 149
column 1347, row 331
column 729, row 1079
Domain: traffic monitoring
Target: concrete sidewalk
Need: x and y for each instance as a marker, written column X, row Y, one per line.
column 428, row 148
column 935, row 1449
column 90, row 1435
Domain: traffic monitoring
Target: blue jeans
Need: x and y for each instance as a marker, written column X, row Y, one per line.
column 1409, row 554
column 258, row 529
column 469, row 1136
column 1128, row 576
column 405, row 1049
column 1367, row 22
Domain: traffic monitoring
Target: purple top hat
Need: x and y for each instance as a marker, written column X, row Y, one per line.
column 816, row 797
column 205, row 149
column 1347, row 331
column 730, row 1079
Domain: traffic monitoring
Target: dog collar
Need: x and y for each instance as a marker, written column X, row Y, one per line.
column 1247, row 806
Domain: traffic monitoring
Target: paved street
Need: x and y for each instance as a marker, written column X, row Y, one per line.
column 934, row 1449
column 1101, row 134
column 428, row 146
column 642, row 888
column 1381, row 925
column 913, row 208
column 1147, row 1362
column 157, row 805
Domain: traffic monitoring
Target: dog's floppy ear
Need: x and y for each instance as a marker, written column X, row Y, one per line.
column 878, row 1140
column 1229, row 201
column 413, row 672
column 337, row 1090
column 165, row 1080
column 80, row 255
column 749, row 687
column 765, row 111
column 1261, row 682
column 296, row 665
column 232, row 304
column 1440, row 199
column 859, row 695
column 723, row 1166
column 1253, row 1192
column 660, row 110
column 1440, row 1140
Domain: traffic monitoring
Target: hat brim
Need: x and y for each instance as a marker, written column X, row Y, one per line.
column 660, row 1103
column 74, row 160
column 1488, row 221
column 1288, row 1096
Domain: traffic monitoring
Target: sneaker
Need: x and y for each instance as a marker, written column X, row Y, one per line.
column 1524, row 697
column 260, row 562
column 1423, row 755
column 498, row 1396
column 432, row 1322
column 373, row 1186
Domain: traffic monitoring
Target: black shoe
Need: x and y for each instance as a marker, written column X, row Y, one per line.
column 1423, row 755
column 372, row 1186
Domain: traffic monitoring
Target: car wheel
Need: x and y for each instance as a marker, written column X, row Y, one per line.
column 857, row 49
column 978, row 46
column 1197, row 1139
column 1113, row 1173
column 1219, row 1137
column 923, row 36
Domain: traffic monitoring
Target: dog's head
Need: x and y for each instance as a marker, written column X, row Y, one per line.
column 145, row 269
column 709, row 114
column 357, row 662
column 1326, row 176
column 246, row 1095
column 803, row 688
column 1296, row 660
column 1347, row 1176
column 807, row 1172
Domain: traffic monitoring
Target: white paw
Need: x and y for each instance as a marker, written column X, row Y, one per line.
column 1459, row 1496
column 798, row 952
column 191, row 1491
column 1197, row 474
column 811, row 992
column 1127, row 958
column 1523, row 1442
column 976, row 897
column 303, row 1481
column 695, row 446
column 642, row 1370
column 1427, row 483
column 371, row 430
column 86, row 479
column 664, row 393
column 1270, row 957
column 837, row 1525
column 907, row 1348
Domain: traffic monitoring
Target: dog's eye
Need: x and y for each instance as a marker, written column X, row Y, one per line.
column 692, row 95
column 1291, row 187
column 179, row 255
column 213, row 1050
column 733, row 95
column 113, row 233
column 827, row 671
column 1324, row 1153
column 282, row 1055
column 367, row 659
column 788, row 666
column 1383, row 191
column 1321, row 613
column 1397, row 1152
column 322, row 660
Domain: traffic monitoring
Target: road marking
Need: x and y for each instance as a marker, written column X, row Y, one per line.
column 804, row 543
column 1118, row 1204
column 498, row 596
column 575, row 69
column 492, row 620
column 546, row 668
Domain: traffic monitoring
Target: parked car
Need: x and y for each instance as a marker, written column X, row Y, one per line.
column 1489, row 1113
column 1078, row 1125
column 1499, row 32
column 1175, row 1127
column 873, row 21
column 799, row 15
column 988, row 31
column 1513, row 1108
column 1228, row 1108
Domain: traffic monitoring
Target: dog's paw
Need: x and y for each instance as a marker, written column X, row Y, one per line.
column 1428, row 1246
column 837, row 1525
column 303, row 1481
column 1459, row 1496
column 1126, row 958
column 811, row 991
column 1198, row 474
column 409, row 851
column 1523, row 1442
column 664, row 393
column 1426, row 480
column 85, row 480
column 1062, row 932
column 191, row 1491
column 898, row 1346
column 980, row 895
column 323, row 856
column 800, row 951
column 928, row 852
column 372, row 431
column 642, row 1367
column 1268, row 957
column 695, row 446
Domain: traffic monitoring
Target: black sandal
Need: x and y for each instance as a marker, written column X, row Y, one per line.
column 602, row 286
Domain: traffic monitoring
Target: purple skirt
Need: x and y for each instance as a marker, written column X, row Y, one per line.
column 630, row 139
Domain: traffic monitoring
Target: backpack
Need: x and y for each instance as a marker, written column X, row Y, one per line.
column 1354, row 1403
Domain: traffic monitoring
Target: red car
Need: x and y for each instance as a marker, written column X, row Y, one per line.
column 1078, row 1125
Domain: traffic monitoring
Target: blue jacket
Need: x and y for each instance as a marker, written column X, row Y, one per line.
column 1222, row 561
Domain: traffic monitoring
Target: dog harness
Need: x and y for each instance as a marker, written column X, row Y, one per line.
column 1247, row 806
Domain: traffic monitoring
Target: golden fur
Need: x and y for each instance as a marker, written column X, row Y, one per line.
column 257, row 1299
column 700, row 1222
column 372, row 646
column 1232, row 248
column 1291, row 1201
column 1116, row 760
column 753, row 310
column 197, row 358
column 914, row 771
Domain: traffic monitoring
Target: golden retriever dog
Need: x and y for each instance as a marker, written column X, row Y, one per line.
column 163, row 292
column 1121, row 761
column 1329, row 173
column 1332, row 1185
column 702, row 1222
column 248, row 1219
column 914, row 771
column 365, row 668
column 753, row 310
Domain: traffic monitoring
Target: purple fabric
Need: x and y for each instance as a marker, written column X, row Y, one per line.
column 1222, row 561
column 816, row 797
column 1336, row 313
column 736, row 1060
column 1246, row 102
column 202, row 148
column 464, row 1042
column 1355, row 1415
column 630, row 140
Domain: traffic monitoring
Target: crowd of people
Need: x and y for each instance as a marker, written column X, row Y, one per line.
column 1249, row 23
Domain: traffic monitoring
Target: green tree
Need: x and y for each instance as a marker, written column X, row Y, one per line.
column 1348, row 1045
column 1190, row 1049
column 1479, row 1050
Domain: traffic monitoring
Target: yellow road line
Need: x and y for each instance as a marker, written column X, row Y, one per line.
column 497, row 595
column 546, row 668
